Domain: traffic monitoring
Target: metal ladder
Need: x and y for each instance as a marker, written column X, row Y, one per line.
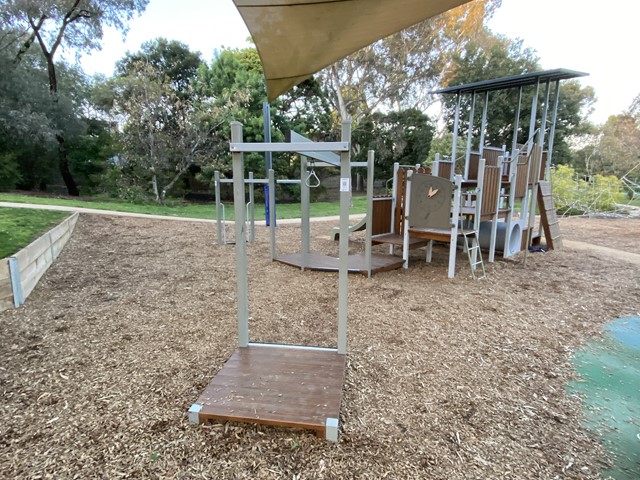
column 475, row 247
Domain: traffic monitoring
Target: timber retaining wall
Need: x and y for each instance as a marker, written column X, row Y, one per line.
column 20, row 273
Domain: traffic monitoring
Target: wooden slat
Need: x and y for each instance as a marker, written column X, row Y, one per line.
column 548, row 217
column 381, row 221
column 291, row 387
column 490, row 191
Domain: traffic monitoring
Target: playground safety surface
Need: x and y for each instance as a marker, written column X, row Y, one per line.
column 456, row 379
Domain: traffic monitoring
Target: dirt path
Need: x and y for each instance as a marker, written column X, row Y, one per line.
column 454, row 379
column 606, row 251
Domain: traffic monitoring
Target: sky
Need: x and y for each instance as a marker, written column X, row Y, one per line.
column 575, row 34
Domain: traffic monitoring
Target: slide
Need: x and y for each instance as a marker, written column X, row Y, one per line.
column 361, row 225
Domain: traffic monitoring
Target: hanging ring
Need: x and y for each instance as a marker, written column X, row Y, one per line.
column 312, row 180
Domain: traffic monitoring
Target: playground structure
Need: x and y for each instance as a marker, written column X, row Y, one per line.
column 271, row 384
column 489, row 189
column 525, row 169
column 221, row 221
column 365, row 263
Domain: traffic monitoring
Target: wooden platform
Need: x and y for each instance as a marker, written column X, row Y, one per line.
column 397, row 240
column 299, row 387
column 357, row 263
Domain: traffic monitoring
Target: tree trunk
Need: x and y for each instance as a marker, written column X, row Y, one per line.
column 154, row 184
column 63, row 161
column 63, row 165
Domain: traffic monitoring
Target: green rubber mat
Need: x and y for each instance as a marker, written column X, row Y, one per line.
column 609, row 385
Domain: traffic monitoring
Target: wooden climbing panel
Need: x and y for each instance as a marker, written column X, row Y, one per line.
column 548, row 217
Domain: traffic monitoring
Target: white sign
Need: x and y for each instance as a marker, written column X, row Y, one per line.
column 345, row 184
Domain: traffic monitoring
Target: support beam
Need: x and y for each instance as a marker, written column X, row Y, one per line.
column 216, row 186
column 516, row 127
column 345, row 202
column 469, row 135
column 305, row 200
column 251, row 212
column 456, row 126
column 242, row 279
column 552, row 132
column 272, row 212
column 483, row 125
column 369, row 226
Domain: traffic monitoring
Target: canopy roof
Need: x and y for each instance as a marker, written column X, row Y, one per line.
column 513, row 81
column 296, row 38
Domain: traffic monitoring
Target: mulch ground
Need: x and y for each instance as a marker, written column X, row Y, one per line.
column 445, row 378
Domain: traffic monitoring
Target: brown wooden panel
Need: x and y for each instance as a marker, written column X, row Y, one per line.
column 444, row 169
column 490, row 190
column 291, row 387
column 548, row 217
column 521, row 176
column 474, row 161
column 491, row 155
column 381, row 221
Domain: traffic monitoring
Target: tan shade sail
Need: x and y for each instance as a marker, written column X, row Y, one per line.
column 296, row 38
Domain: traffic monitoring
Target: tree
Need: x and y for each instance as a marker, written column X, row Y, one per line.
column 171, row 59
column 77, row 23
column 399, row 71
column 403, row 137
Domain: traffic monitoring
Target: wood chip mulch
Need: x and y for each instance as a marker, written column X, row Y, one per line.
column 446, row 379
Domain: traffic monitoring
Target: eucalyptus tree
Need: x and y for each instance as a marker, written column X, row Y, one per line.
column 73, row 24
column 398, row 72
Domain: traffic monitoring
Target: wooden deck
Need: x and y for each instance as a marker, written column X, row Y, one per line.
column 357, row 263
column 398, row 240
column 299, row 387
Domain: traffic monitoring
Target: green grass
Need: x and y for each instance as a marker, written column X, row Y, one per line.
column 189, row 210
column 20, row 226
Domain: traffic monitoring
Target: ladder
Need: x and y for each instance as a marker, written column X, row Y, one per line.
column 473, row 253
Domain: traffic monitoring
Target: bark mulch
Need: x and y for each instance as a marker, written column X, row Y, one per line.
column 445, row 378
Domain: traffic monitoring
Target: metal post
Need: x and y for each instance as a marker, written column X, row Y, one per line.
column 534, row 115
column 552, row 132
column 272, row 212
column 241, row 240
column 216, row 187
column 16, row 283
column 266, row 115
column 369, row 226
column 469, row 136
column 483, row 126
column 516, row 126
column 456, row 123
column 252, row 220
column 532, row 128
column 345, row 202
column 305, row 195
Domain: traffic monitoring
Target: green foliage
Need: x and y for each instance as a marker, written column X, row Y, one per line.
column 403, row 137
column 574, row 195
column 20, row 226
column 9, row 171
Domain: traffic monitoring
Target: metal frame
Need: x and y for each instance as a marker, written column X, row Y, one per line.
column 535, row 80
column 238, row 148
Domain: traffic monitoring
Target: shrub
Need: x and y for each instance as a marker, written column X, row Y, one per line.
column 576, row 196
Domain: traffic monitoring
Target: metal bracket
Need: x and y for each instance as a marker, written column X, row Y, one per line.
column 331, row 431
column 194, row 413
column 16, row 284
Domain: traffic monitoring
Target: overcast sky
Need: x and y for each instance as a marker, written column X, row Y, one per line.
column 601, row 39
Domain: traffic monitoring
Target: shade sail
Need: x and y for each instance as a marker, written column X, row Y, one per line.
column 296, row 38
